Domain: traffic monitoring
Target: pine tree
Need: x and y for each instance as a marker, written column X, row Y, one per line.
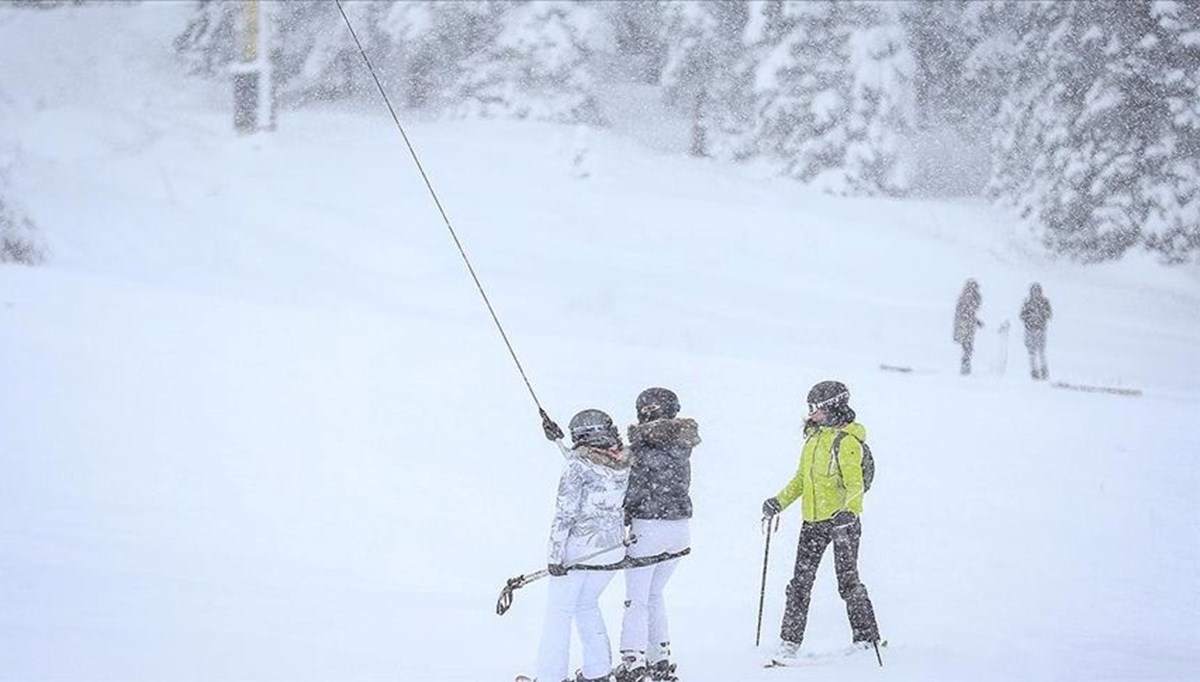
column 18, row 238
column 1094, row 144
column 832, row 82
column 1173, row 228
column 882, row 116
column 316, row 58
column 431, row 46
column 951, row 111
column 802, row 89
column 538, row 65
column 637, row 28
column 208, row 41
column 703, row 44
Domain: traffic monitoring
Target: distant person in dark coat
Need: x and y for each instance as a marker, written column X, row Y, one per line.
column 1036, row 314
column 966, row 321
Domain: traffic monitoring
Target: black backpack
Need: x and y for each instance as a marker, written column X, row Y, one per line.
column 868, row 461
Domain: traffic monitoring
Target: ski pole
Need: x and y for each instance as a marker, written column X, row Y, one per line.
column 504, row 603
column 462, row 251
column 762, row 593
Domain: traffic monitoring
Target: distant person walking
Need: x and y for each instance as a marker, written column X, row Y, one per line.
column 659, row 508
column 966, row 322
column 1036, row 314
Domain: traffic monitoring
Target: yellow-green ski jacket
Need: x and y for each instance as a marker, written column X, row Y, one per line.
column 828, row 484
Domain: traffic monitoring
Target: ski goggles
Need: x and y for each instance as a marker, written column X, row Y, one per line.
column 650, row 410
column 844, row 396
column 593, row 432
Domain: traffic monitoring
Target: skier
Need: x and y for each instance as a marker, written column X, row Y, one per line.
column 966, row 322
column 658, row 508
column 830, row 485
column 587, row 517
column 1036, row 313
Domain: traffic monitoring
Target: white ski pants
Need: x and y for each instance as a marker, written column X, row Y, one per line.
column 644, row 627
column 575, row 595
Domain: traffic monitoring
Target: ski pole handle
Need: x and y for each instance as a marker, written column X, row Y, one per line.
column 549, row 428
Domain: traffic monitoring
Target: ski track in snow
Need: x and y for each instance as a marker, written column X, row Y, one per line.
column 256, row 423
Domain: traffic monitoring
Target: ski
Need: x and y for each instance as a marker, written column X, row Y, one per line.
column 811, row 658
column 1097, row 389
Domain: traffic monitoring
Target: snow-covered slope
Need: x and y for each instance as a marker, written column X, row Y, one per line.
column 256, row 423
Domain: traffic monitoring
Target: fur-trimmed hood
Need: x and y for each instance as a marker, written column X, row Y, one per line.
column 663, row 431
column 661, row 477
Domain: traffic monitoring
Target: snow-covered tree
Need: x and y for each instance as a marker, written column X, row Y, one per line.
column 1173, row 227
column 832, row 84
column 18, row 238
column 943, row 36
column 802, row 88
column 426, row 47
column 1094, row 144
column 19, row 241
column 538, row 65
column 699, row 75
column 208, row 42
column 313, row 54
column 637, row 36
column 883, row 114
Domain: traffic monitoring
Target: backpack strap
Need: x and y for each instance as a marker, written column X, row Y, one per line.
column 833, row 453
column 837, row 444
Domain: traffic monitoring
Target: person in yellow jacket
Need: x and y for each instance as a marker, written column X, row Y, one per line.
column 830, row 488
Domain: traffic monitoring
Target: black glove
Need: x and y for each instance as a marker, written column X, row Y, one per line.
column 550, row 428
column 843, row 520
column 771, row 507
column 556, row 570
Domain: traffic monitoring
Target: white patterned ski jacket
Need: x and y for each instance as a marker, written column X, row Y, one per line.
column 589, row 514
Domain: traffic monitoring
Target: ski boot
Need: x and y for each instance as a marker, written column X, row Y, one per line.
column 788, row 653
column 663, row 671
column 632, row 667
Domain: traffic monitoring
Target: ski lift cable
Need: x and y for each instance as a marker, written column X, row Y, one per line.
column 445, row 218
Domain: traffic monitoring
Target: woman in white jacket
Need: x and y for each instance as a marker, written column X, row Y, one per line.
column 588, row 517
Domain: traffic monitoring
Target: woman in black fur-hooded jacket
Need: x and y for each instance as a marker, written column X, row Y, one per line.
column 658, row 506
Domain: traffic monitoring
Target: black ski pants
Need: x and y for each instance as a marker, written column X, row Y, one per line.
column 814, row 538
column 1035, row 343
column 968, row 349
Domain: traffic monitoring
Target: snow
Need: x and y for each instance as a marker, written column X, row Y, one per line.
column 257, row 424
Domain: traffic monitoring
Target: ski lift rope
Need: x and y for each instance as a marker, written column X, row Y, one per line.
column 445, row 218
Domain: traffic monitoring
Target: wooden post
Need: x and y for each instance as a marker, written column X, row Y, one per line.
column 253, row 101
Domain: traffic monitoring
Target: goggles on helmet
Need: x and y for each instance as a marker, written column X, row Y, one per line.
column 840, row 397
column 650, row 409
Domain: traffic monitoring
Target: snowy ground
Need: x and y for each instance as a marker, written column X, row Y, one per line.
column 256, row 423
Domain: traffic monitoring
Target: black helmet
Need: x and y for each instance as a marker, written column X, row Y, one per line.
column 828, row 394
column 593, row 427
column 657, row 403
